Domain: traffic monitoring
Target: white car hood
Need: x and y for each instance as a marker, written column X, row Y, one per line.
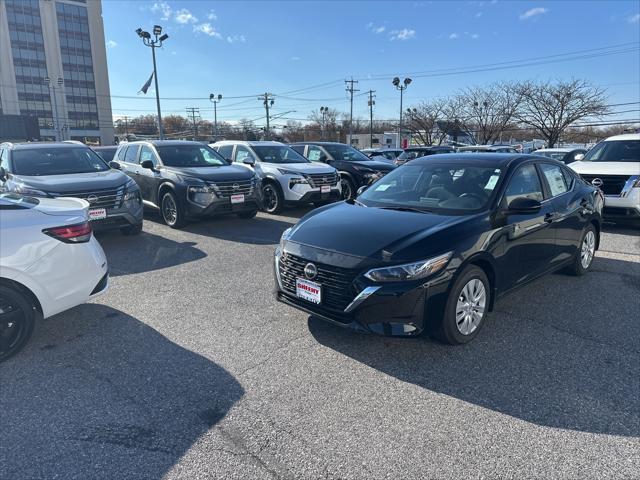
column 606, row 168
column 305, row 167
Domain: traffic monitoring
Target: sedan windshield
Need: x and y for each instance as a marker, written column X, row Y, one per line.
column 278, row 154
column 56, row 161
column 186, row 156
column 614, row 151
column 345, row 153
column 442, row 188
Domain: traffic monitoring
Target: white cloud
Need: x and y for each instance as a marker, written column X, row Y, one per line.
column 236, row 39
column 634, row 18
column 379, row 29
column 475, row 36
column 207, row 29
column 533, row 12
column 212, row 15
column 111, row 44
column 404, row 34
column 375, row 29
column 185, row 16
column 295, row 59
column 453, row 36
column 163, row 8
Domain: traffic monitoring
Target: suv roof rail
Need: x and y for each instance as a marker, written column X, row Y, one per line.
column 76, row 142
column 6, row 144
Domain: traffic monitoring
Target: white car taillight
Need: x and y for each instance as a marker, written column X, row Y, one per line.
column 79, row 233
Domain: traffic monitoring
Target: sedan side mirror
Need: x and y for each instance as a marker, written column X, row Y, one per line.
column 361, row 190
column 249, row 161
column 578, row 157
column 3, row 174
column 523, row 206
column 148, row 164
column 115, row 165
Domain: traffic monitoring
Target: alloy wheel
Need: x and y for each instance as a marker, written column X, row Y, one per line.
column 588, row 249
column 347, row 192
column 270, row 198
column 12, row 327
column 470, row 307
column 169, row 210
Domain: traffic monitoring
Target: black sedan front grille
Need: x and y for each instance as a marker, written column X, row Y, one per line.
column 226, row 189
column 106, row 198
column 322, row 179
column 611, row 184
column 336, row 282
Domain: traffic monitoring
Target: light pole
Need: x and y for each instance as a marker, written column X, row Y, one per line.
column 215, row 99
column 402, row 87
column 323, row 111
column 155, row 43
column 482, row 124
column 56, row 118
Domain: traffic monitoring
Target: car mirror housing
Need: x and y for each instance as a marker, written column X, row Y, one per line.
column 524, row 205
column 249, row 161
column 578, row 157
column 147, row 164
column 115, row 165
column 361, row 190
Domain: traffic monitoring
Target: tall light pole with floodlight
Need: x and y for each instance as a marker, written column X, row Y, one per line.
column 215, row 99
column 402, row 87
column 154, row 43
column 56, row 118
column 323, row 111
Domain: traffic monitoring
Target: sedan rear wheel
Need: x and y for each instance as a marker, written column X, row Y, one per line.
column 17, row 319
column 585, row 253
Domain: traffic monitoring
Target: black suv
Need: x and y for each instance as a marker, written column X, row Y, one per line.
column 411, row 153
column 70, row 169
column 188, row 179
column 355, row 168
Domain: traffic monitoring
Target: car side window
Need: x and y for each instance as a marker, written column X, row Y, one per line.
column 242, row 152
column 524, row 183
column 121, row 153
column 555, row 179
column 147, row 154
column 4, row 157
column 226, row 151
column 315, row 154
column 298, row 148
column 132, row 154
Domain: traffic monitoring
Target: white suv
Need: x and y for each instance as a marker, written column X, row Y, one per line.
column 287, row 176
column 613, row 165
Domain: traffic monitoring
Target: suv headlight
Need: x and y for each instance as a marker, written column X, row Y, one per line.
column 23, row 189
column 202, row 194
column 409, row 271
column 362, row 169
column 284, row 171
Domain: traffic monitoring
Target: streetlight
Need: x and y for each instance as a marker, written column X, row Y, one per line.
column 154, row 43
column 323, row 111
column 56, row 118
column 402, row 87
column 215, row 99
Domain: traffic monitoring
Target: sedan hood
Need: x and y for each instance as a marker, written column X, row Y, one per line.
column 606, row 168
column 367, row 231
column 225, row 173
column 76, row 182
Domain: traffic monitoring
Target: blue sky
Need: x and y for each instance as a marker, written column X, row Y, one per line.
column 241, row 49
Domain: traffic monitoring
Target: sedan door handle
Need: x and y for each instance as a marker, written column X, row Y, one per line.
column 551, row 217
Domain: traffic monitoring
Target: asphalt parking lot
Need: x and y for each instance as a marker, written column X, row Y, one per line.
column 188, row 368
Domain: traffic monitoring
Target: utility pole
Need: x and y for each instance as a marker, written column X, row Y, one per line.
column 371, row 104
column 193, row 111
column 267, row 101
column 350, row 89
column 215, row 99
column 126, row 125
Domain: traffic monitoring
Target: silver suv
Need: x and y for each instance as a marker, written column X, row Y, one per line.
column 287, row 176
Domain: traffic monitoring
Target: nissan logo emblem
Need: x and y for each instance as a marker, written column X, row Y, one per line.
column 310, row 271
column 597, row 182
column 325, row 179
column 92, row 198
column 236, row 186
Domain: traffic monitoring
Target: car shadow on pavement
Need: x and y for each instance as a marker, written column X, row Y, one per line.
column 99, row 394
column 563, row 352
column 145, row 252
column 256, row 231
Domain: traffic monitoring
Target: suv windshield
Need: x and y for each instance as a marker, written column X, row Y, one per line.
column 190, row 156
column 345, row 153
column 614, row 151
column 278, row 154
column 56, row 161
column 450, row 188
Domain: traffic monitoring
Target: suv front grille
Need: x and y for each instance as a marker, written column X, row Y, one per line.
column 336, row 282
column 226, row 189
column 322, row 179
column 107, row 198
column 611, row 184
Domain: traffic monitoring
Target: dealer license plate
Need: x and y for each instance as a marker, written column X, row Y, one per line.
column 237, row 198
column 325, row 189
column 97, row 214
column 309, row 291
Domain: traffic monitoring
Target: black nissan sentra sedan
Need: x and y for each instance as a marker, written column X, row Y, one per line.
column 432, row 245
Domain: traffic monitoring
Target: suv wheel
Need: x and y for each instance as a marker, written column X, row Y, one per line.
column 272, row 198
column 348, row 189
column 171, row 211
column 17, row 319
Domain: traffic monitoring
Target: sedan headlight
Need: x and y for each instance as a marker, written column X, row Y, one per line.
column 409, row 271
column 23, row 189
column 202, row 194
column 285, row 236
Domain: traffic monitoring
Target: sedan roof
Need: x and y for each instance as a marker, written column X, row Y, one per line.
column 481, row 159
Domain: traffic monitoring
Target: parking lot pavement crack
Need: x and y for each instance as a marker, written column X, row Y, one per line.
column 273, row 353
column 569, row 332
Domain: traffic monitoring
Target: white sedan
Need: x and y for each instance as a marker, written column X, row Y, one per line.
column 49, row 262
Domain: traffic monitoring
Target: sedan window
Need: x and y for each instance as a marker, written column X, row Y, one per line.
column 555, row 179
column 524, row 183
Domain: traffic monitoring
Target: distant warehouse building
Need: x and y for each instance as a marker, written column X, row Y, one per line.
column 53, row 66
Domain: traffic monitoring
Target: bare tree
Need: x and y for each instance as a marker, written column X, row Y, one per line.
column 551, row 108
column 422, row 121
column 490, row 110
